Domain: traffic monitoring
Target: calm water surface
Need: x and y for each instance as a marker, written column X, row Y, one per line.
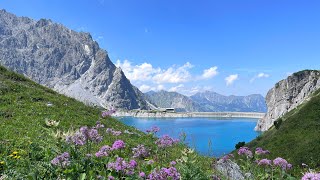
column 223, row 133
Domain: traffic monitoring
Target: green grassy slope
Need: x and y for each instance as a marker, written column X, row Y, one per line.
column 298, row 137
column 23, row 110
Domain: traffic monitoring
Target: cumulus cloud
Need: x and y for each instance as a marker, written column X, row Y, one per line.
column 142, row 72
column 209, row 73
column 260, row 75
column 174, row 74
column 145, row 88
column 231, row 78
column 176, row 88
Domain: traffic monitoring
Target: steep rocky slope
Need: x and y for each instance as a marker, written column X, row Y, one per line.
column 211, row 101
column 297, row 138
column 287, row 95
column 67, row 61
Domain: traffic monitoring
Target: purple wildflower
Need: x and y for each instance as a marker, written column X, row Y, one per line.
column 83, row 135
column 133, row 164
column 153, row 129
column 166, row 141
column 62, row 160
column 173, row 163
column 99, row 125
column 94, row 136
column 110, row 178
column 120, row 165
column 142, row 174
column 78, row 139
column 118, row 144
column 245, row 151
column 165, row 173
column 311, row 176
column 113, row 132
column 260, row 151
column 140, row 151
column 226, row 157
column 264, row 162
column 150, row 161
column 107, row 113
column 282, row 163
column 104, row 151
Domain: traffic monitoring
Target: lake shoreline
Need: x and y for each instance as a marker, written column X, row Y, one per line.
column 159, row 114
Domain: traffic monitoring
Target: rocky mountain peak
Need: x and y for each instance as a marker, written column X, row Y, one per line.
column 70, row 62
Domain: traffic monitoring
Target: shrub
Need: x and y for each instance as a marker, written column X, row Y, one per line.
column 277, row 123
column 240, row 144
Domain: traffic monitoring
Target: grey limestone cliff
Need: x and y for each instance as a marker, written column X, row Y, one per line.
column 67, row 61
column 287, row 95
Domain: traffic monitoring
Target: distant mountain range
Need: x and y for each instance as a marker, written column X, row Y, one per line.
column 207, row 101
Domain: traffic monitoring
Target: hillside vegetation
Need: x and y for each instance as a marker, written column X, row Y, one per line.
column 297, row 137
column 30, row 147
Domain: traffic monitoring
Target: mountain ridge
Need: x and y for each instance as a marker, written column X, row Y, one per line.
column 207, row 101
column 67, row 61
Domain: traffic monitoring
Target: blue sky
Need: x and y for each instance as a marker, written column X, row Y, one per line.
column 228, row 46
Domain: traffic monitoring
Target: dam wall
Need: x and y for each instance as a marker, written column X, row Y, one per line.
column 157, row 114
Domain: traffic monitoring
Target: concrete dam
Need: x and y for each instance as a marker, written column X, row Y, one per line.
column 159, row 114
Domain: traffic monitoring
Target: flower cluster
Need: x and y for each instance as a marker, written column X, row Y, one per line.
column 264, row 162
column 311, row 176
column 226, row 157
column 282, row 163
column 15, row 155
column 107, row 113
column 165, row 173
column 153, row 129
column 166, row 141
column 99, row 125
column 83, row 135
column 140, row 151
column 245, row 151
column 113, row 132
column 260, row 151
column 62, row 160
column 120, row 165
column 103, row 151
column 118, row 144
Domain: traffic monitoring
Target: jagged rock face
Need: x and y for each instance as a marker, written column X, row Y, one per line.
column 211, row 101
column 165, row 99
column 65, row 60
column 287, row 95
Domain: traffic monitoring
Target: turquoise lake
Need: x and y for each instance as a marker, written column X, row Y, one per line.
column 223, row 133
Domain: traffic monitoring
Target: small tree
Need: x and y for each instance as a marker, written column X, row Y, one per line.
column 240, row 144
column 277, row 123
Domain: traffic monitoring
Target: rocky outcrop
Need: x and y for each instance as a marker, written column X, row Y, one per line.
column 229, row 169
column 69, row 62
column 287, row 95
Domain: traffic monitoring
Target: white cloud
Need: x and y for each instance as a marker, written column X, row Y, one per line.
column 142, row 72
column 145, row 88
column 231, row 78
column 160, row 87
column 176, row 88
column 209, row 73
column 174, row 74
column 260, row 75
